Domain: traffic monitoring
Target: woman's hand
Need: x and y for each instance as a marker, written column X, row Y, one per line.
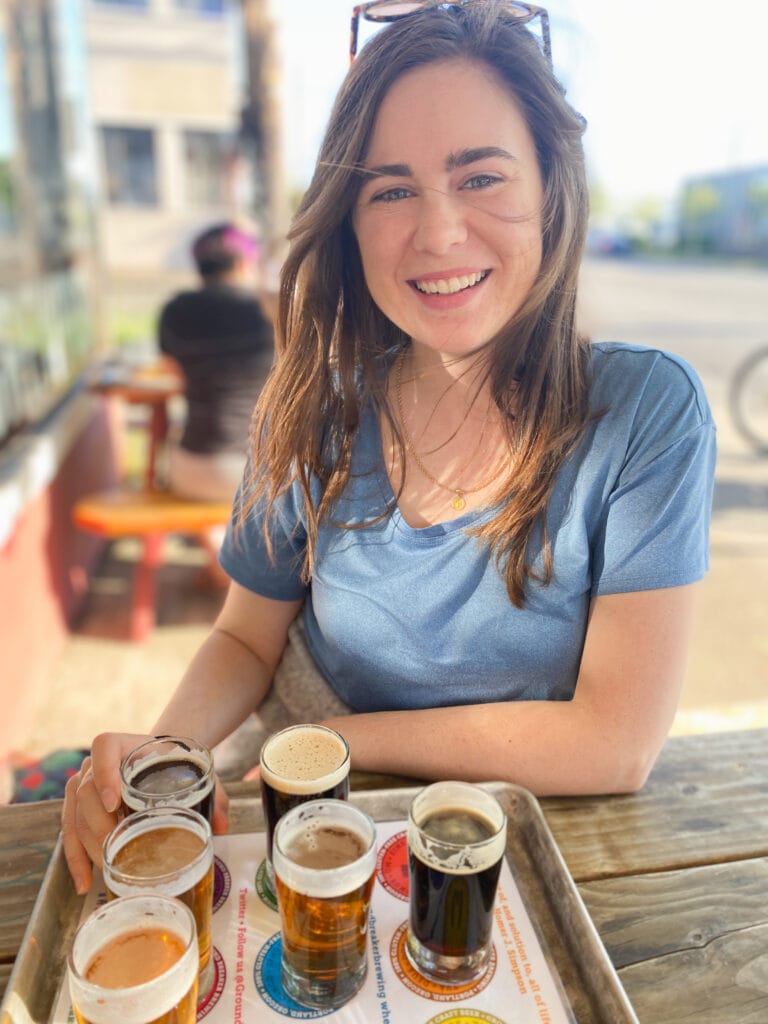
column 92, row 805
column 92, row 802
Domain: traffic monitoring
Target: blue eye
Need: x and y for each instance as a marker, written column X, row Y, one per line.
column 392, row 195
column 481, row 181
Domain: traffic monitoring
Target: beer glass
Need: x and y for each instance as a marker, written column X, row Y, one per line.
column 134, row 960
column 168, row 771
column 297, row 764
column 325, row 861
column 456, row 841
column 167, row 850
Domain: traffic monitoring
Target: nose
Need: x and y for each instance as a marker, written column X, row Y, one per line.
column 440, row 224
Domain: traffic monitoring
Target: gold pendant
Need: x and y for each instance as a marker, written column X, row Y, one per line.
column 458, row 503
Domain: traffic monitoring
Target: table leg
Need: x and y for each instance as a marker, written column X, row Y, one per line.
column 158, row 429
column 143, row 607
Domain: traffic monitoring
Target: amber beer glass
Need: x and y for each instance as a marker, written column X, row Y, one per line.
column 168, row 771
column 297, row 764
column 324, row 860
column 456, row 841
column 134, row 960
column 167, row 850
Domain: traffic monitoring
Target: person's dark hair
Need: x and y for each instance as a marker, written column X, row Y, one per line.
column 220, row 248
column 333, row 340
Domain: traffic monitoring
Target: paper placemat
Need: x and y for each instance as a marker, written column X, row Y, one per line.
column 518, row 987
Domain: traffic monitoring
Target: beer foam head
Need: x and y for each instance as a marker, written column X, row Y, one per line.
column 313, row 819
column 304, row 759
column 454, row 856
column 158, row 996
column 151, row 833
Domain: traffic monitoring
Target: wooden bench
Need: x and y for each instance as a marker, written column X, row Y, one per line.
column 150, row 515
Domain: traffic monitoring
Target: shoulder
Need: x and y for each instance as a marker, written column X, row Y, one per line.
column 638, row 380
column 179, row 308
column 242, row 308
column 181, row 300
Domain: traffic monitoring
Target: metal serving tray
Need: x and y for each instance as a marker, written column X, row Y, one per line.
column 571, row 945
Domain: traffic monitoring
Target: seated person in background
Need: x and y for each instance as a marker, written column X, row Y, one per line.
column 479, row 530
column 220, row 340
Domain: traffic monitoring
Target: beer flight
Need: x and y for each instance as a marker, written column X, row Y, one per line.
column 146, row 955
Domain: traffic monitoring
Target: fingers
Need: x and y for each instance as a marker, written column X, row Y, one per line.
column 78, row 861
column 91, row 803
column 107, row 752
column 253, row 775
column 84, row 824
column 92, row 822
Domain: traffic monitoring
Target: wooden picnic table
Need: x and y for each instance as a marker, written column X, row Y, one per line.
column 675, row 878
column 151, row 387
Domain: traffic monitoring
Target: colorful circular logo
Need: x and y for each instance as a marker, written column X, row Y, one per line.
column 392, row 865
column 263, row 887
column 222, row 883
column 266, row 977
column 465, row 1016
column 426, row 987
column 208, row 1002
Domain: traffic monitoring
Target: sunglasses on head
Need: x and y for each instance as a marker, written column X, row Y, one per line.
column 393, row 10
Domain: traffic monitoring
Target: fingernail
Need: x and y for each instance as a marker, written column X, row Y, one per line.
column 109, row 799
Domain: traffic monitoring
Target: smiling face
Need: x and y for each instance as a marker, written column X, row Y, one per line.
column 448, row 221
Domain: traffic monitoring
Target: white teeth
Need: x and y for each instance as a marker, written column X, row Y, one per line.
column 450, row 285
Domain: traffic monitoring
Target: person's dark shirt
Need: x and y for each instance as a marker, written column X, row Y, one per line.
column 223, row 342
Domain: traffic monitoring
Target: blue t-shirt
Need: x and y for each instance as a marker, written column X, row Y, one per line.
column 398, row 617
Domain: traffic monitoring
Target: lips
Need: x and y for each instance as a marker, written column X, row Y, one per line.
column 449, row 285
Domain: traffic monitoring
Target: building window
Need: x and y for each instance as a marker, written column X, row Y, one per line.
column 203, row 6
column 129, row 164
column 207, row 159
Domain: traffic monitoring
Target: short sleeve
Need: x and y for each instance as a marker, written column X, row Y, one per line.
column 245, row 558
column 654, row 527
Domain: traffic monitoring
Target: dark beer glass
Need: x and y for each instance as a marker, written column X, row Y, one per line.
column 297, row 764
column 168, row 850
column 168, row 771
column 456, row 842
column 134, row 960
column 325, row 862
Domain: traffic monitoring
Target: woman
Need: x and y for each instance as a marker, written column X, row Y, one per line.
column 489, row 527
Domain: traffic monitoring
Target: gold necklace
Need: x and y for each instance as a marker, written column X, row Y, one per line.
column 458, row 502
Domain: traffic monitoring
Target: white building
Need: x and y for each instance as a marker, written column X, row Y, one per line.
column 168, row 83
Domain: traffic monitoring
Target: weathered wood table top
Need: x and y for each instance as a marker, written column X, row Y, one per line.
column 675, row 878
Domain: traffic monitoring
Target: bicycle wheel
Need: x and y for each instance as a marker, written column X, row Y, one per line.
column 749, row 400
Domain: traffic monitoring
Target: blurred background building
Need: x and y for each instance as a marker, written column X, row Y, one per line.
column 726, row 213
column 125, row 127
column 181, row 118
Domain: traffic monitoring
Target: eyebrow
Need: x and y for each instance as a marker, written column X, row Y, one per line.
column 454, row 160
column 471, row 156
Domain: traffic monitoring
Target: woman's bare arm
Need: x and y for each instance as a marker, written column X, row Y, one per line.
column 605, row 740
column 227, row 679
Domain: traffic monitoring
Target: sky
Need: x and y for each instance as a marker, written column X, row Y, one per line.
column 669, row 89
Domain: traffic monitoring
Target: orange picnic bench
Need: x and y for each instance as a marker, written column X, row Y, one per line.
column 150, row 515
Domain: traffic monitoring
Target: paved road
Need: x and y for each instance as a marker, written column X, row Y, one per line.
column 712, row 316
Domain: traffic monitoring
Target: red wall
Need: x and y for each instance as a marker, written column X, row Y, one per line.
column 44, row 569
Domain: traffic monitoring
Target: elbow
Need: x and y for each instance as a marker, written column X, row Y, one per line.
column 631, row 769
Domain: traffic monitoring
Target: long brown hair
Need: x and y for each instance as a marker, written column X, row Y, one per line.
column 332, row 340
